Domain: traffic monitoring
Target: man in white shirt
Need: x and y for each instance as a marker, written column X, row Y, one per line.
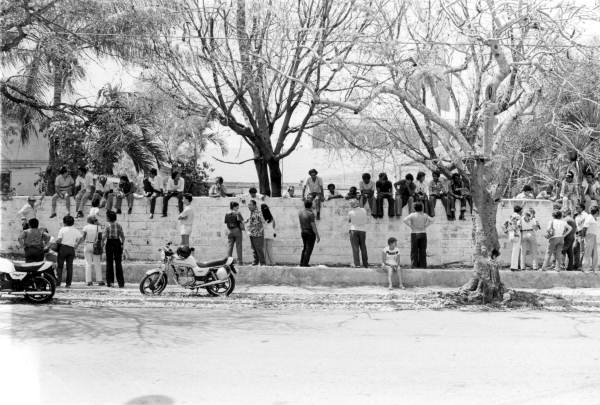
column 104, row 193
column 418, row 222
column 315, row 193
column 592, row 229
column 357, row 217
column 252, row 194
column 85, row 180
column 153, row 188
column 29, row 210
column 175, row 187
column 579, row 244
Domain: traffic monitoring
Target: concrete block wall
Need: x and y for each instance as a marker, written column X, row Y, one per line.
column 449, row 243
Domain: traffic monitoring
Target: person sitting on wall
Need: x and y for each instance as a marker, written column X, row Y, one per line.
column 153, row 188
column 352, row 194
column 103, row 193
column 63, row 186
column 569, row 191
column 175, row 188
column 85, row 179
column 290, row 193
column 526, row 193
column 405, row 194
column 314, row 185
column 332, row 193
column 384, row 192
column 547, row 193
column 126, row 190
column 218, row 189
column 252, row 194
column 366, row 187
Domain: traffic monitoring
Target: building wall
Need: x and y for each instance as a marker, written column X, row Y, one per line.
column 24, row 161
column 449, row 243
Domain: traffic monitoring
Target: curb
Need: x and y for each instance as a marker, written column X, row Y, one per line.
column 373, row 276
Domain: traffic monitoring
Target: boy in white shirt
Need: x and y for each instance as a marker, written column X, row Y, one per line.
column 390, row 261
column 68, row 239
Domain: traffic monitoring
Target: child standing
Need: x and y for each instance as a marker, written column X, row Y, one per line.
column 269, row 233
column 390, row 261
column 186, row 220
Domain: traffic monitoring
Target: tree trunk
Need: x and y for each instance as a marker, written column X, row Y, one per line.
column 485, row 284
column 275, row 174
column 262, row 172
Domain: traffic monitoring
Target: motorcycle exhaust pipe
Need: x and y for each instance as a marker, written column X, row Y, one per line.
column 212, row 283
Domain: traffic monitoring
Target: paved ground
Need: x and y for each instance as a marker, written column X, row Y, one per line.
column 264, row 354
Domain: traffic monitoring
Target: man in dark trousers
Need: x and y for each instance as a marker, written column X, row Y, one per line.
column 309, row 232
column 113, row 240
column 418, row 222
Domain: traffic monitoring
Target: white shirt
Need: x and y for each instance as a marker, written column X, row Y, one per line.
column 392, row 257
column 156, row 182
column 580, row 220
column 559, row 227
column 28, row 211
column 69, row 236
column 94, row 211
column 91, row 232
column 88, row 181
column 269, row 229
column 186, row 220
column 80, row 182
column 422, row 187
column 172, row 187
column 591, row 224
column 358, row 219
column 102, row 188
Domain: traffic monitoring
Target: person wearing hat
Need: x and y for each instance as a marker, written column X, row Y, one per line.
column 316, row 194
column 357, row 217
column 29, row 210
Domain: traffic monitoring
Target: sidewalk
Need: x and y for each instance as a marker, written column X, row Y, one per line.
column 326, row 298
column 373, row 276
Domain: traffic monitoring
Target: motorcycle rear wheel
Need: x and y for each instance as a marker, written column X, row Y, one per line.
column 222, row 290
column 153, row 284
column 41, row 283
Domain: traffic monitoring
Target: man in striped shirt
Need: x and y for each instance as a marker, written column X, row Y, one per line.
column 113, row 239
column 63, row 186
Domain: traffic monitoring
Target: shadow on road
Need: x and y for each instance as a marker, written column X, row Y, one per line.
column 151, row 400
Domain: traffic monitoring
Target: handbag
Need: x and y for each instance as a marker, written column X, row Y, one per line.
column 550, row 232
column 98, row 242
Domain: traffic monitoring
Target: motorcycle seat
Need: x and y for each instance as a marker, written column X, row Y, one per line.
column 214, row 263
column 28, row 267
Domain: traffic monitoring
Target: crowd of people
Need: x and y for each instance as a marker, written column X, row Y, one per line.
column 571, row 235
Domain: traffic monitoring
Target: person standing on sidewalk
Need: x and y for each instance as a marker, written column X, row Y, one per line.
column 93, row 258
column 579, row 245
column 34, row 241
column 308, row 231
column 555, row 233
column 186, row 220
column 529, row 226
column 418, row 222
column 357, row 217
column 68, row 239
column 254, row 224
column 235, row 226
column 590, row 257
column 113, row 240
column 269, row 234
column 512, row 228
column 569, row 240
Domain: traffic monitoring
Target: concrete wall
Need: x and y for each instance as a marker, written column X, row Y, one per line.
column 450, row 243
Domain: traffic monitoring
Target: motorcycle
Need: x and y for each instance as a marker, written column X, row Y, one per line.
column 218, row 277
column 35, row 281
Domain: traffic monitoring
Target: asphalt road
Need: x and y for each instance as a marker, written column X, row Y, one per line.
column 107, row 355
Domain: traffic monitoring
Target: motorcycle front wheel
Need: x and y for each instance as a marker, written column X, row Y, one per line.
column 224, row 289
column 41, row 283
column 153, row 284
